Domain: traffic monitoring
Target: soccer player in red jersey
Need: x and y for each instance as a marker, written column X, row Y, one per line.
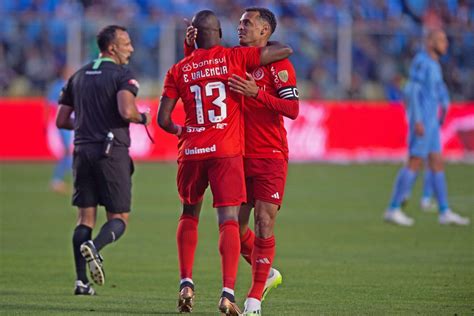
column 210, row 146
column 271, row 93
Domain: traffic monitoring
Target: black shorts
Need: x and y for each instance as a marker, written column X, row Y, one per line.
column 101, row 180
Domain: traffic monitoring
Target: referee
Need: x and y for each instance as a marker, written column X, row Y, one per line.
column 102, row 97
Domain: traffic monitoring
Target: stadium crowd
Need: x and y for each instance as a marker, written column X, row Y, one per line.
column 385, row 36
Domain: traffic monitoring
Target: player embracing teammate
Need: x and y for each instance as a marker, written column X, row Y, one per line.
column 211, row 145
column 270, row 93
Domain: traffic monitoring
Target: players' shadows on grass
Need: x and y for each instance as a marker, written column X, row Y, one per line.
column 33, row 302
column 25, row 307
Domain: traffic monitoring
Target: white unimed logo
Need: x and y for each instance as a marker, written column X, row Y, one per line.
column 199, row 151
column 263, row 260
column 276, row 196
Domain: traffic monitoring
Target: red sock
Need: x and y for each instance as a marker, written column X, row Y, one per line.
column 229, row 248
column 246, row 245
column 262, row 259
column 187, row 238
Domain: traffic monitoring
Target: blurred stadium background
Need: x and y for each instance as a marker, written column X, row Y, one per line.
column 337, row 256
column 344, row 49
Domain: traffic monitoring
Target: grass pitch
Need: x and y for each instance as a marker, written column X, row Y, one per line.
column 336, row 254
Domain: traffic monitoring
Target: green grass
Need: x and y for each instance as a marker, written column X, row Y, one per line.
column 336, row 255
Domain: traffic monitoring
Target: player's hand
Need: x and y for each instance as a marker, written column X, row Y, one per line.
column 442, row 117
column 247, row 87
column 419, row 129
column 191, row 33
column 148, row 118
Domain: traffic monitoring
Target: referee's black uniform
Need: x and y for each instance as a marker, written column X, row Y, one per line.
column 100, row 178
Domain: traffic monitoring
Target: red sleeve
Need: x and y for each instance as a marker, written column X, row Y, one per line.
column 188, row 50
column 286, row 107
column 248, row 55
column 170, row 89
column 284, row 82
column 284, row 79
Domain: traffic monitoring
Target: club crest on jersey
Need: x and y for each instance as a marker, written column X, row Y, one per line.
column 258, row 73
column 134, row 82
column 283, row 75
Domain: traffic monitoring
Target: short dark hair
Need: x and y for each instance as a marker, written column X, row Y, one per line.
column 107, row 35
column 266, row 15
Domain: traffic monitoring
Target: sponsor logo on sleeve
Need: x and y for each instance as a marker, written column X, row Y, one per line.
column 134, row 82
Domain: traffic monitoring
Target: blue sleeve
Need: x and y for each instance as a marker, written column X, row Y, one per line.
column 414, row 88
column 54, row 91
column 443, row 95
column 415, row 103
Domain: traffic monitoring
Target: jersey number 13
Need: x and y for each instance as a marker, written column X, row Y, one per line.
column 219, row 101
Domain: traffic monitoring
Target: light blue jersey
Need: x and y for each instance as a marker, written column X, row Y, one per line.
column 64, row 164
column 425, row 92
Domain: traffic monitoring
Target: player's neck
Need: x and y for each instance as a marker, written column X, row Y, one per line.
column 109, row 56
column 433, row 54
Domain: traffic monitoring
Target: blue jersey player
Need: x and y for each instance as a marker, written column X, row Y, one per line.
column 64, row 164
column 427, row 101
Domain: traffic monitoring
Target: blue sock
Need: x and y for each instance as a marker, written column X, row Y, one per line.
column 403, row 185
column 428, row 184
column 440, row 190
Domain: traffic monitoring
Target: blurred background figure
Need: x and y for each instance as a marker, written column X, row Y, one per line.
column 427, row 102
column 63, row 166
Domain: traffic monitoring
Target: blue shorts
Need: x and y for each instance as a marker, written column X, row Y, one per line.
column 424, row 145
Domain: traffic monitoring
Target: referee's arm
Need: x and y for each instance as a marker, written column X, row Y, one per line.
column 63, row 117
column 128, row 110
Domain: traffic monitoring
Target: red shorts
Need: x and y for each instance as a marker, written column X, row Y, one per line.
column 225, row 175
column 265, row 179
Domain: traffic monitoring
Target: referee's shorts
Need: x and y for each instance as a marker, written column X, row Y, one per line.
column 101, row 180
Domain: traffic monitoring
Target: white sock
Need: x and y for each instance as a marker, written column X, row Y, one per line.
column 252, row 304
column 228, row 290
column 186, row 280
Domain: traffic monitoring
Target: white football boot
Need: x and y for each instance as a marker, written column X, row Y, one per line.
column 449, row 217
column 396, row 216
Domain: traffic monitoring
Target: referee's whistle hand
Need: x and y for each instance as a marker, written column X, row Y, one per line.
column 148, row 118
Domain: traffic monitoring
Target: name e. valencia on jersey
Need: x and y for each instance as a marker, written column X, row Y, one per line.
column 218, row 70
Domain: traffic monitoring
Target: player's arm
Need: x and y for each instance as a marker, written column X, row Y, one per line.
column 128, row 109
column 64, row 117
column 274, row 52
column 413, row 95
column 444, row 100
column 164, row 116
column 249, row 88
column 190, row 38
column 414, row 101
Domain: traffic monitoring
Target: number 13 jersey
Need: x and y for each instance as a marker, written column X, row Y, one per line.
column 214, row 126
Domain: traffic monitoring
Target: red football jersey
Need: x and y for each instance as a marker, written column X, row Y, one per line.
column 214, row 117
column 265, row 133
